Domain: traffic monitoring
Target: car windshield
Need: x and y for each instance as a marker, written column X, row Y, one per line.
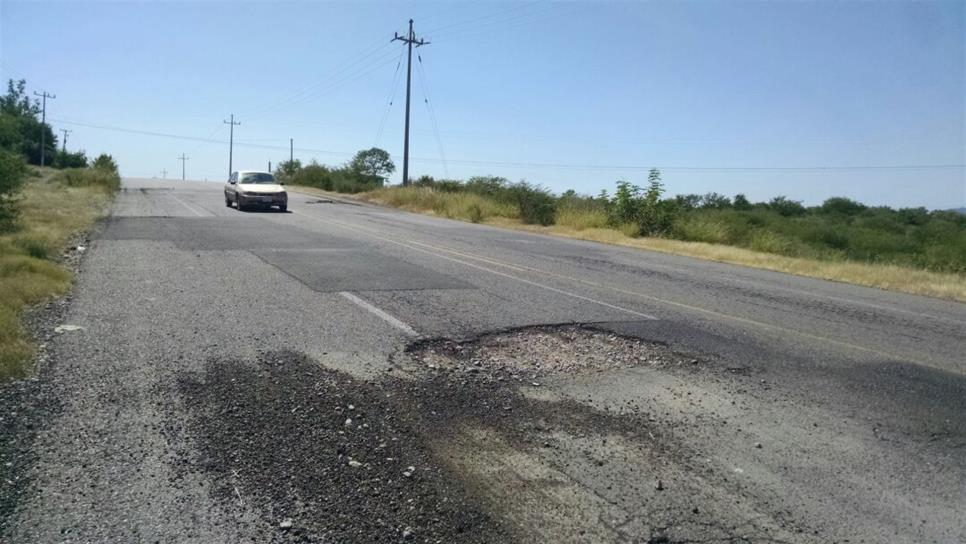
column 257, row 177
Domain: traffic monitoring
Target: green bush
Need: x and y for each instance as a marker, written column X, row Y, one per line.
column 69, row 160
column 105, row 162
column 13, row 171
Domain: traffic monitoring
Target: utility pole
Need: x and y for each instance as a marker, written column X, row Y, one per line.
column 182, row 158
column 43, row 124
column 409, row 40
column 231, row 140
column 66, row 132
column 269, row 167
column 164, row 173
column 291, row 151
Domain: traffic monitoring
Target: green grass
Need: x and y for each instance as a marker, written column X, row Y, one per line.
column 53, row 207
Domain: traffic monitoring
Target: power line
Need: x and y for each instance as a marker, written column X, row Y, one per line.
column 475, row 20
column 373, row 49
column 485, row 28
column 358, row 73
column 424, row 85
column 392, row 98
column 576, row 166
column 409, row 40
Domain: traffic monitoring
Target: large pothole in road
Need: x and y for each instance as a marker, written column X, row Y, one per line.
column 544, row 351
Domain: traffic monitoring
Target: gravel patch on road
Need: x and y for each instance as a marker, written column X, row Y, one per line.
column 545, row 351
column 324, row 457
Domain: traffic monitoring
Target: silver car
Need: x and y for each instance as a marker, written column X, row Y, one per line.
column 249, row 189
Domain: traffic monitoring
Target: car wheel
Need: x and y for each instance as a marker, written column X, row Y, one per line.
column 282, row 208
column 239, row 205
column 227, row 202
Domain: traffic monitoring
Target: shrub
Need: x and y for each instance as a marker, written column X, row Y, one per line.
column 537, row 206
column 700, row 229
column 89, row 177
column 786, row 207
column 13, row 171
column 70, row 160
column 715, row 201
column 105, row 162
column 842, row 206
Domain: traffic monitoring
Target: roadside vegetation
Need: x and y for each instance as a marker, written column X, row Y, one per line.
column 366, row 171
column 911, row 249
column 41, row 209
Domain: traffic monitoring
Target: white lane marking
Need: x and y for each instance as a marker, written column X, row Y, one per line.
column 379, row 313
column 185, row 204
column 490, row 270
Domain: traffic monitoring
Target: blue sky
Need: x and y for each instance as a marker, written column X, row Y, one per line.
column 724, row 96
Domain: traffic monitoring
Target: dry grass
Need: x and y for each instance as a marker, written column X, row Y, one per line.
column 590, row 225
column 51, row 213
column 891, row 277
column 463, row 206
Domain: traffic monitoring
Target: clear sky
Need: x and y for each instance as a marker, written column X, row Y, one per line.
column 723, row 96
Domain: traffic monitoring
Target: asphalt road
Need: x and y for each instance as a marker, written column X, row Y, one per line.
column 725, row 404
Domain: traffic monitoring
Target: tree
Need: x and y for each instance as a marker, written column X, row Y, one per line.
column 105, row 162
column 715, row 201
column 786, row 207
column 20, row 129
column 842, row 205
column 689, row 201
column 741, row 202
column 64, row 159
column 286, row 170
column 372, row 162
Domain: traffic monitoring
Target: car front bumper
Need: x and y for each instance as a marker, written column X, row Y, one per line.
column 263, row 200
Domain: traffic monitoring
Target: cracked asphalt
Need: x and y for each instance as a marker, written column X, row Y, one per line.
column 348, row 373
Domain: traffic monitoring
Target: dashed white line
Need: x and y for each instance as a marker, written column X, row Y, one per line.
column 379, row 313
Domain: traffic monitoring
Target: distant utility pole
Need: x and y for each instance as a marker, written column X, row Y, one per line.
column 231, row 140
column 43, row 124
column 409, row 40
column 66, row 132
column 164, row 174
column 269, row 167
column 291, row 151
column 182, row 158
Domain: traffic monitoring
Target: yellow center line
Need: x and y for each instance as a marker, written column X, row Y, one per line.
column 522, row 268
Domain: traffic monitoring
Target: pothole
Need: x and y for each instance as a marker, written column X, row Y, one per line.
column 537, row 352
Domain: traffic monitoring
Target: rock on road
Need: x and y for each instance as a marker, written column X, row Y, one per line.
column 349, row 373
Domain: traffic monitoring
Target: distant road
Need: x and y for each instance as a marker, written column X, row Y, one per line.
column 814, row 412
